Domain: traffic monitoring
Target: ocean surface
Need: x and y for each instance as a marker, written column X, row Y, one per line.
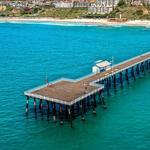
column 30, row 52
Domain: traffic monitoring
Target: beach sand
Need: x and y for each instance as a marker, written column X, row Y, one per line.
column 100, row 22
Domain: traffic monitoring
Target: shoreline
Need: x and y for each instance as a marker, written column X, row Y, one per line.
column 92, row 22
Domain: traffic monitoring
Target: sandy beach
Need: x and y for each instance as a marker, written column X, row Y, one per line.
column 100, row 22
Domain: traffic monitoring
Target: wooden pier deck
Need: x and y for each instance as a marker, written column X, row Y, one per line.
column 68, row 92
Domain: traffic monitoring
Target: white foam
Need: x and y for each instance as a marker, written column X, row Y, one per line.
column 49, row 23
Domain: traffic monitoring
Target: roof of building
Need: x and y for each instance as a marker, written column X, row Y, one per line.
column 103, row 64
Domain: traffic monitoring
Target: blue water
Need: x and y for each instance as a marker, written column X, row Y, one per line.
column 30, row 52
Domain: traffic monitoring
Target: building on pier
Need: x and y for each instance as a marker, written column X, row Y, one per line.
column 101, row 65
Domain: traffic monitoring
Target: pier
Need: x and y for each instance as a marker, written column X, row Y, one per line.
column 65, row 99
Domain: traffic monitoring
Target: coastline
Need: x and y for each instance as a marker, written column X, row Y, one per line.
column 94, row 22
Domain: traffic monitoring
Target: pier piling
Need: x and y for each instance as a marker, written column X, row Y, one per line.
column 54, row 111
column 48, row 110
column 127, row 77
column 61, row 114
column 70, row 116
column 121, row 80
column 81, row 112
column 27, row 104
column 35, row 112
column 132, row 73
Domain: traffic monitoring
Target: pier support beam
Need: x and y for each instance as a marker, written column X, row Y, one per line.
column 61, row 114
column 142, row 68
column 35, row 112
column 48, row 110
column 147, row 65
column 66, row 112
column 83, row 106
column 137, row 70
column 94, row 104
column 102, row 99
column 109, row 80
column 81, row 112
column 40, row 104
column 27, row 104
column 132, row 73
column 41, row 108
column 126, row 76
column 54, row 111
column 73, row 113
column 121, row 79
column 88, row 102
column 70, row 116
column 114, row 82
column 78, row 108
column 100, row 96
column 107, row 87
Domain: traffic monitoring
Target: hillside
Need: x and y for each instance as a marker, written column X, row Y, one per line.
column 130, row 12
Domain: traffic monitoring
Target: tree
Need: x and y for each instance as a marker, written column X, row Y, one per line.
column 122, row 3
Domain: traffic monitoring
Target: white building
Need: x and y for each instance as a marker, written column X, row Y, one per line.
column 82, row 4
column 102, row 6
column 63, row 4
column 70, row 3
column 101, row 65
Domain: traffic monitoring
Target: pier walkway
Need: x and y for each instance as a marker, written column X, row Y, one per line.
column 68, row 92
column 67, row 99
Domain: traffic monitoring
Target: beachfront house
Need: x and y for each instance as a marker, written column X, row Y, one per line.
column 102, row 6
column 63, row 4
column 71, row 3
column 81, row 3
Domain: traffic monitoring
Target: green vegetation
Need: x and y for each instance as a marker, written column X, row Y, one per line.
column 130, row 12
column 122, row 3
column 46, row 12
column 133, row 13
column 63, row 12
column 127, row 11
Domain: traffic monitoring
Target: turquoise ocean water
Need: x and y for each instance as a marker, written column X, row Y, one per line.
column 29, row 52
